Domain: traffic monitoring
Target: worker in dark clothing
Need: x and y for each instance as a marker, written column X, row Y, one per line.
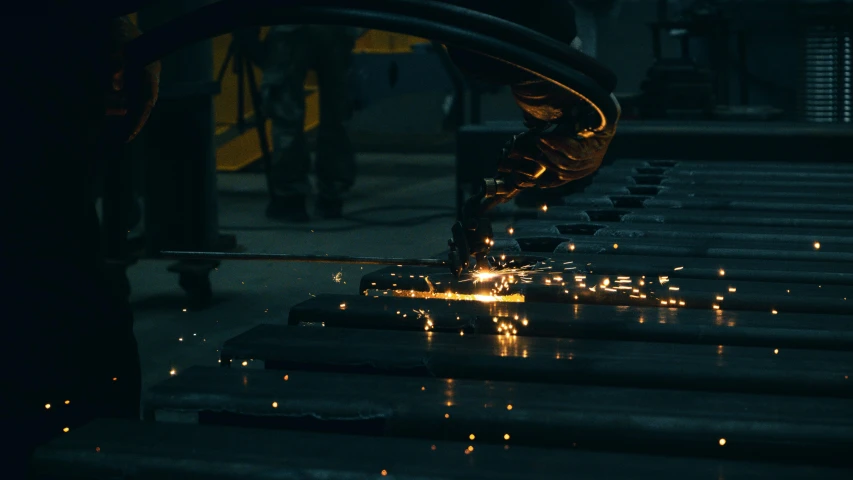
column 290, row 52
column 68, row 344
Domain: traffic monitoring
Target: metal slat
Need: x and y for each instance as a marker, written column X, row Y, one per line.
column 154, row 451
column 546, row 360
column 670, row 422
column 607, row 322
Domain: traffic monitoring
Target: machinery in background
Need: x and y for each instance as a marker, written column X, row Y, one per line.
column 827, row 61
column 696, row 84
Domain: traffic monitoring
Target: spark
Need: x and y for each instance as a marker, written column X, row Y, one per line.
column 674, row 289
column 615, row 246
column 544, row 208
column 384, row 473
column 274, row 404
column 722, row 273
column 172, row 372
column 343, row 306
column 719, row 298
column 817, row 245
column 776, row 351
column 722, row 442
column 774, row 311
column 47, row 406
column 471, row 437
column 509, row 407
column 506, row 436
column 338, row 277
column 66, row 429
column 663, row 280
column 732, row 289
column 678, row 268
column 510, row 230
column 572, row 247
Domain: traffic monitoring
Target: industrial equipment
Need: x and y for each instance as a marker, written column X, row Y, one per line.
column 678, row 318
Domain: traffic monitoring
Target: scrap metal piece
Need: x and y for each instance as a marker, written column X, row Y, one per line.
column 286, row 257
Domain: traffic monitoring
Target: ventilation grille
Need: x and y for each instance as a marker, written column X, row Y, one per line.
column 827, row 95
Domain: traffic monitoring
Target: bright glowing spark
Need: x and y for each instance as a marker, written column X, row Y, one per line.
column 722, row 273
column 776, row 351
column 506, row 436
column 678, row 268
column 274, row 404
column 544, row 208
column 817, row 245
column 510, row 230
column 722, row 442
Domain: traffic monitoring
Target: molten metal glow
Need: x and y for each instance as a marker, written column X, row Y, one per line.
column 485, row 298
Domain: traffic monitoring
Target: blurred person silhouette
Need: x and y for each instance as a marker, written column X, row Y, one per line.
column 67, row 332
column 289, row 53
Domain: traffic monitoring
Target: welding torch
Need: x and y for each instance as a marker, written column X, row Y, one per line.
column 472, row 234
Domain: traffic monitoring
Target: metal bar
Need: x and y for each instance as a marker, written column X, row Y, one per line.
column 726, row 165
column 744, row 175
column 544, row 360
column 726, row 182
column 604, row 322
column 690, row 203
column 758, row 427
column 153, row 451
column 751, row 194
column 701, row 217
column 284, row 257
column 682, row 248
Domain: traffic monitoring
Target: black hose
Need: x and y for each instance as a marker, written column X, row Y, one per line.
column 456, row 26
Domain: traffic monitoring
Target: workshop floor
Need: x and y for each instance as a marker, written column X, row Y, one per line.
column 401, row 206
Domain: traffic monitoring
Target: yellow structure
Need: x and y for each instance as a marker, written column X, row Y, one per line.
column 235, row 152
